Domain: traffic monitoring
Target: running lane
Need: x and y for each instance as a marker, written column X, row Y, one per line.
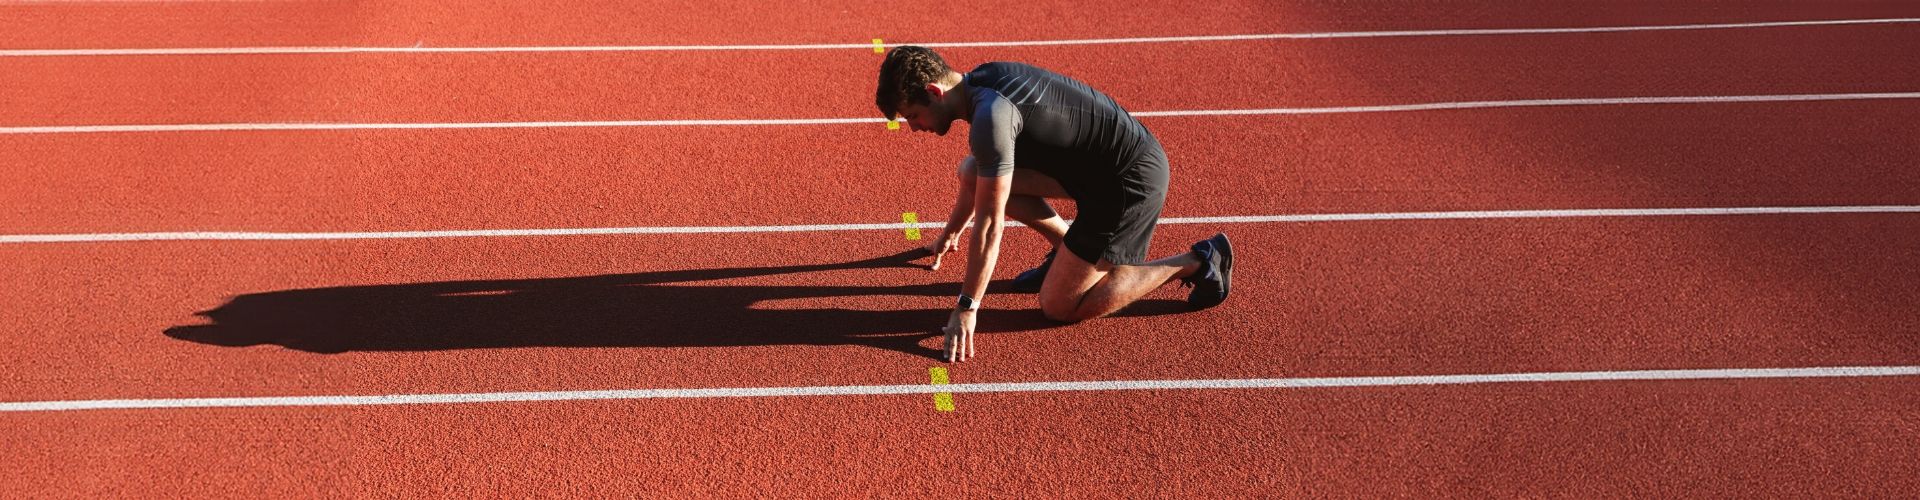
column 433, row 88
column 1472, row 297
column 480, row 23
column 1696, row 155
column 1784, row 438
column 137, row 320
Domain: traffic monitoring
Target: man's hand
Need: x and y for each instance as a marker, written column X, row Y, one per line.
column 959, row 330
column 939, row 247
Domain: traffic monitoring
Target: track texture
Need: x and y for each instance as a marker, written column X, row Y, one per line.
column 418, row 316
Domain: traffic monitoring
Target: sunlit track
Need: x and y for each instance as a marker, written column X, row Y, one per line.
column 1248, row 219
column 847, row 46
column 876, row 390
column 1436, row 106
column 651, row 250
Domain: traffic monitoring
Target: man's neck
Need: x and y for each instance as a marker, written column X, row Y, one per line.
column 960, row 98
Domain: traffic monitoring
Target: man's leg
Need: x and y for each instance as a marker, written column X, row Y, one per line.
column 1076, row 290
column 1037, row 214
column 1029, row 206
column 1028, row 203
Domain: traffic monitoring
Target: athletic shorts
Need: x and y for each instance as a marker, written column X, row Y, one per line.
column 1117, row 215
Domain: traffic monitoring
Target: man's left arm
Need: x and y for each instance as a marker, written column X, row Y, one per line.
column 990, row 209
column 996, row 124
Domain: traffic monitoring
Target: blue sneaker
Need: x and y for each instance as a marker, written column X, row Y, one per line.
column 1029, row 281
column 1211, row 282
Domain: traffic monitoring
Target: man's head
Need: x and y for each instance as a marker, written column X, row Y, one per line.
column 914, row 83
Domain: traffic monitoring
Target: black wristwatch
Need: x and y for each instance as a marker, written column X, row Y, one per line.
column 967, row 303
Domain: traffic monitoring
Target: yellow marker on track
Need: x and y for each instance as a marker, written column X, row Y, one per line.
column 879, row 47
column 941, row 400
column 893, row 124
column 913, row 233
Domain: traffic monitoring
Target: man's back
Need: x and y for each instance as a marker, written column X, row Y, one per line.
column 1061, row 127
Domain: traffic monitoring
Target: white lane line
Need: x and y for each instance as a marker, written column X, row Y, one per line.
column 1524, row 103
column 1246, row 219
column 230, row 127
column 1598, row 101
column 871, row 390
column 869, row 46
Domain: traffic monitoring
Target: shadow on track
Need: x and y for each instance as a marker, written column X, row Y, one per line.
column 618, row 310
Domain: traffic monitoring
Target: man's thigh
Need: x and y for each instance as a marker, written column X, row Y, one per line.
column 1068, row 282
column 1031, row 182
column 1026, row 181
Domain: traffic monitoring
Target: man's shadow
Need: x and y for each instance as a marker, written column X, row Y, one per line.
column 651, row 309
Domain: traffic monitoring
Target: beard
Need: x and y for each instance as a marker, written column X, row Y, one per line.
column 943, row 124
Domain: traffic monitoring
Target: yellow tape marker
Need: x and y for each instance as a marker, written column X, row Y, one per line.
column 893, row 124
column 879, row 47
column 941, row 400
column 913, row 233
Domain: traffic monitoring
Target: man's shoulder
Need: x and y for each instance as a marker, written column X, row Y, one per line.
column 989, row 105
column 990, row 68
column 998, row 72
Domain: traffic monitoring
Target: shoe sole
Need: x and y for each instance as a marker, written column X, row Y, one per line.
column 1223, row 267
column 1226, row 267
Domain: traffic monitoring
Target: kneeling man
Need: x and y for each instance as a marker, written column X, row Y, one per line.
column 1038, row 135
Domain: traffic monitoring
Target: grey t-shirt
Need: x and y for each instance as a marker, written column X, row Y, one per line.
column 1050, row 123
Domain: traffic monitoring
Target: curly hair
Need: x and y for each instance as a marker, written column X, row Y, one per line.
column 904, row 78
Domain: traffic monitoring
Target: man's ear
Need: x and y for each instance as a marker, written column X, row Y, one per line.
column 935, row 92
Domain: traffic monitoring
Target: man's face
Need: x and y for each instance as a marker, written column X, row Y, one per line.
column 934, row 117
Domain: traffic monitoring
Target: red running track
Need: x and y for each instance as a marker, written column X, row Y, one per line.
column 153, row 320
column 1318, row 300
column 1652, row 156
column 466, row 24
column 1334, row 299
column 437, row 87
column 1806, row 438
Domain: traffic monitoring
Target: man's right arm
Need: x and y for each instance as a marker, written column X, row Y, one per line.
column 959, row 219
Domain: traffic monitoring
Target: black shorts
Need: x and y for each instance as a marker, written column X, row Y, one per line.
column 1117, row 214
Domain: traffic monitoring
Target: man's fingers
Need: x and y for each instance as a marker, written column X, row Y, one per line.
column 937, row 251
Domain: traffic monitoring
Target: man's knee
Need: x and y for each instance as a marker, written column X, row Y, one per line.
column 1066, row 288
column 1066, row 310
column 966, row 168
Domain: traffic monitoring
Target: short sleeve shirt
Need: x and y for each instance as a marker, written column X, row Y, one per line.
column 1038, row 119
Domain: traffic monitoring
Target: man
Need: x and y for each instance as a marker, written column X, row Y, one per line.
column 1038, row 135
